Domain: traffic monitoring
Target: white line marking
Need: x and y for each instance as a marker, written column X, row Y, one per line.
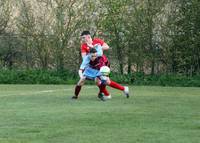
column 40, row 92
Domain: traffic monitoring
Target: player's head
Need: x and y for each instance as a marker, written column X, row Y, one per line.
column 93, row 54
column 85, row 33
column 86, row 37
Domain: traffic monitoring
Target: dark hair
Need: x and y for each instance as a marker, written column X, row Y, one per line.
column 93, row 50
column 85, row 33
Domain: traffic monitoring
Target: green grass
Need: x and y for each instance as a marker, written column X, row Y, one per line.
column 46, row 114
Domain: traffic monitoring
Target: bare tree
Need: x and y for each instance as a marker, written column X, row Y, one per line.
column 5, row 12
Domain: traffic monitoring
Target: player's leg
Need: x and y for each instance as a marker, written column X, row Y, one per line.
column 78, row 88
column 118, row 86
column 89, row 74
column 103, row 92
column 93, row 74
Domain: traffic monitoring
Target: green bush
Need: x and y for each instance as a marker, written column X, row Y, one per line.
column 37, row 77
column 67, row 77
column 162, row 80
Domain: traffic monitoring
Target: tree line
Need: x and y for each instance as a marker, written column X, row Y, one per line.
column 147, row 36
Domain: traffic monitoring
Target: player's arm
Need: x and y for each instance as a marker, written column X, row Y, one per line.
column 102, row 43
column 83, row 50
column 99, row 49
column 84, row 64
column 105, row 46
column 83, row 54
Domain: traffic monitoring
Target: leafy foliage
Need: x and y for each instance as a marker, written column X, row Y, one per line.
column 157, row 37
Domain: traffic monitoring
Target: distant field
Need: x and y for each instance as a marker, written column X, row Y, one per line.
column 46, row 114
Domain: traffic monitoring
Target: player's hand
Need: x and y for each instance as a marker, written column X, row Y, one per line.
column 80, row 72
column 103, row 77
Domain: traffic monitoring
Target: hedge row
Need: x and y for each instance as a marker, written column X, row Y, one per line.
column 66, row 77
column 161, row 80
column 37, row 77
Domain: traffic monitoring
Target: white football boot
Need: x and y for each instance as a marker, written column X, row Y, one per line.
column 107, row 97
column 126, row 91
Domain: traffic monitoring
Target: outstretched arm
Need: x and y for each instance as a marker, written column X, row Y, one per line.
column 105, row 46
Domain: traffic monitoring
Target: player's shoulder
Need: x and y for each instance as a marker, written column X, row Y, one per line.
column 98, row 41
column 83, row 46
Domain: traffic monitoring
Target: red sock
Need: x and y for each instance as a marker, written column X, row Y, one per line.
column 116, row 85
column 103, row 90
column 77, row 90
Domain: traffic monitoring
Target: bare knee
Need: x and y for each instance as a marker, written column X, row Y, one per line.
column 81, row 81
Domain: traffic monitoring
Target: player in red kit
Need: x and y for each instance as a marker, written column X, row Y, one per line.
column 88, row 43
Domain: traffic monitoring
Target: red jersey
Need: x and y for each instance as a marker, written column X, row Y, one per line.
column 99, row 62
column 86, row 49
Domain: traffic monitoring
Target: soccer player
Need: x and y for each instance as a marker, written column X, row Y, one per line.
column 88, row 43
column 90, row 69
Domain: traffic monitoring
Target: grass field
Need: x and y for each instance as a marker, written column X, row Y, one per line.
column 46, row 114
